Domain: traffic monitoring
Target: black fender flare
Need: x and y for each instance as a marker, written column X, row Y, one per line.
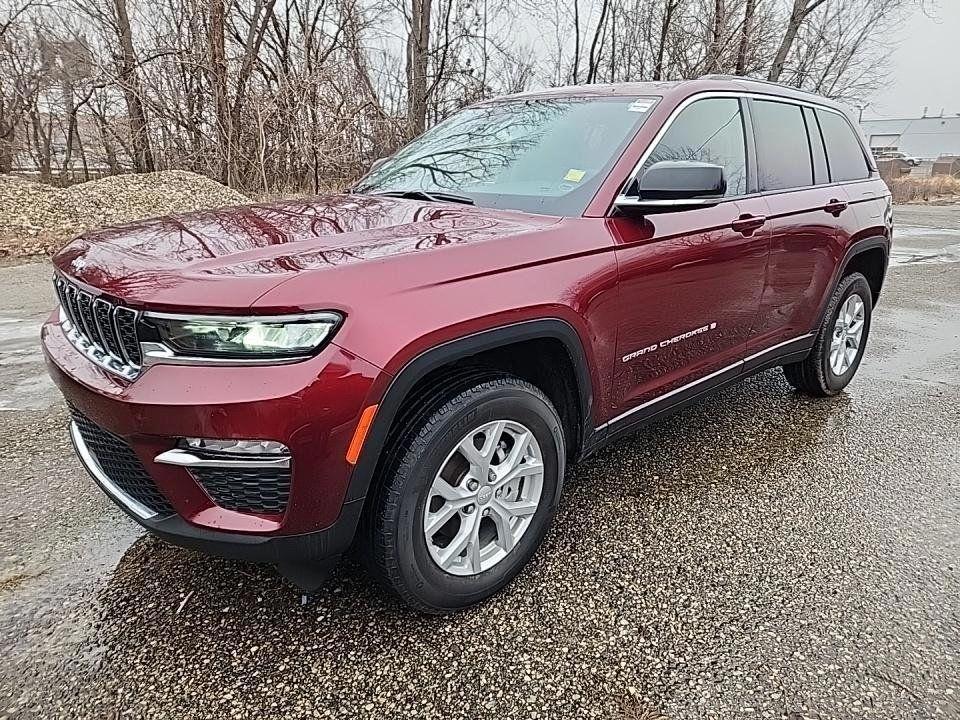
column 857, row 248
column 458, row 349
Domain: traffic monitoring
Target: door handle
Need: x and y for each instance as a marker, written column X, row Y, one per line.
column 835, row 207
column 747, row 224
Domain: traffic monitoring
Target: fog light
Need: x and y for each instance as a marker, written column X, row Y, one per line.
column 238, row 447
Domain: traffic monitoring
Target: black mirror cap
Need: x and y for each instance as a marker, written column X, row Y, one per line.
column 682, row 180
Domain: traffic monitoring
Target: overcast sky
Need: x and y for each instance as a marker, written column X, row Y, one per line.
column 924, row 67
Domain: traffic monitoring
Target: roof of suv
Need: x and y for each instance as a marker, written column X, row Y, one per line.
column 684, row 88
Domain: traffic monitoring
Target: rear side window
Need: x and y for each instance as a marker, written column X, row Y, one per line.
column 709, row 130
column 783, row 153
column 820, row 172
column 844, row 153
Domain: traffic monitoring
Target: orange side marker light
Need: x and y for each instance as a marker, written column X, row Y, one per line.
column 360, row 434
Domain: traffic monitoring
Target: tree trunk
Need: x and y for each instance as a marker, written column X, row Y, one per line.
column 593, row 61
column 664, row 32
column 712, row 64
column 7, row 145
column 251, row 50
column 129, row 82
column 218, row 86
column 801, row 9
column 108, row 149
column 745, row 31
column 70, row 108
column 418, row 49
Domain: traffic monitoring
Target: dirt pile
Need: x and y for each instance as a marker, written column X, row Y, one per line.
column 38, row 219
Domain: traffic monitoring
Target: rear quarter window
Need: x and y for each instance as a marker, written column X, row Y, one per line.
column 844, row 153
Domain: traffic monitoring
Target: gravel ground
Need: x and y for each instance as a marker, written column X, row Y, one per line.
column 760, row 555
column 36, row 219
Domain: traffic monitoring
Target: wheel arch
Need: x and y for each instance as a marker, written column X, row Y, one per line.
column 869, row 259
column 448, row 354
column 867, row 249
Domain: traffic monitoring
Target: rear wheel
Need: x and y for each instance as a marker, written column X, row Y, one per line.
column 470, row 497
column 840, row 342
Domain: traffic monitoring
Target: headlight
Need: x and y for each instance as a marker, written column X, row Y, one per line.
column 248, row 337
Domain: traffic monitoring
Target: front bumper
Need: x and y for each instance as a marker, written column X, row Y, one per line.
column 303, row 559
column 312, row 407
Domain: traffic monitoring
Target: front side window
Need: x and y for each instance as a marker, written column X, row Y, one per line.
column 783, row 151
column 711, row 131
column 844, row 153
column 543, row 155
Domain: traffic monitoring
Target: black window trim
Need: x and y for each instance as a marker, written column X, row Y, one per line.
column 752, row 188
column 823, row 144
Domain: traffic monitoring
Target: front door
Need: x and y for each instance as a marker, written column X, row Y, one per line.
column 690, row 281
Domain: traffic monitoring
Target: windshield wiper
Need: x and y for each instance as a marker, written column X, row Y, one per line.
column 432, row 196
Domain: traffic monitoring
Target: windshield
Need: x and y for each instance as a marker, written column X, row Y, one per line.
column 537, row 155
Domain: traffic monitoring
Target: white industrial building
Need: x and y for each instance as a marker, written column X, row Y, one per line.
column 927, row 138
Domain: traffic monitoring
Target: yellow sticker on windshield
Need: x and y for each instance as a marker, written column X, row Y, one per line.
column 574, row 175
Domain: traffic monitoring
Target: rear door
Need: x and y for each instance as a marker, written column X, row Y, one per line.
column 808, row 217
column 690, row 280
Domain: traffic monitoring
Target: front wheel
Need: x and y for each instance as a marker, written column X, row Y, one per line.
column 471, row 497
column 840, row 342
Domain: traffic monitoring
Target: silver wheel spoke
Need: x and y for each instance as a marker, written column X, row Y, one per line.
column 473, row 553
column 450, row 493
column 437, row 520
column 518, row 508
column 456, row 546
column 501, row 519
column 532, row 467
column 480, row 459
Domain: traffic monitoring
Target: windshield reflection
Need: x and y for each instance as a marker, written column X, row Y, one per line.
column 541, row 155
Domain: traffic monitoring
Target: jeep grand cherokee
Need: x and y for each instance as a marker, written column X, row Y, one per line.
column 409, row 367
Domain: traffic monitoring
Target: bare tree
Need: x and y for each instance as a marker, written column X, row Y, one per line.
column 302, row 94
column 800, row 11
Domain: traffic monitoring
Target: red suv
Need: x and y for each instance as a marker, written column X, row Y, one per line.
column 409, row 367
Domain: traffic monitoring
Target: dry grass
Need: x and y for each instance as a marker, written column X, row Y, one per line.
column 924, row 189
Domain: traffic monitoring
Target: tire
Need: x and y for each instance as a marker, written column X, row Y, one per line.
column 818, row 374
column 399, row 552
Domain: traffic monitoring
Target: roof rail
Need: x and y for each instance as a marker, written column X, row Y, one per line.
column 720, row 76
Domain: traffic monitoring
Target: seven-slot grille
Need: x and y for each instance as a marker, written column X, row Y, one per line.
column 104, row 331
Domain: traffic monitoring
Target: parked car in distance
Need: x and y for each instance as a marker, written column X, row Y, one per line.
column 897, row 155
column 407, row 369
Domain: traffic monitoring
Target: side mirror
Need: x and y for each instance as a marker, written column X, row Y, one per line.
column 676, row 185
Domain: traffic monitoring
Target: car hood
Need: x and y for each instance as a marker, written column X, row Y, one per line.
column 227, row 258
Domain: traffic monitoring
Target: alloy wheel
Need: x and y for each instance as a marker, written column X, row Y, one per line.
column 483, row 498
column 847, row 334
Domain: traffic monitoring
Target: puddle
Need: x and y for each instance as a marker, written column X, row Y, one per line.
column 924, row 256
column 922, row 231
column 24, row 383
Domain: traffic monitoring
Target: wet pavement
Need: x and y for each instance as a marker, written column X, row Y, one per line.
column 758, row 555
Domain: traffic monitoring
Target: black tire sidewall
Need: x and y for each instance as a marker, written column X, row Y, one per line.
column 855, row 284
column 432, row 586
